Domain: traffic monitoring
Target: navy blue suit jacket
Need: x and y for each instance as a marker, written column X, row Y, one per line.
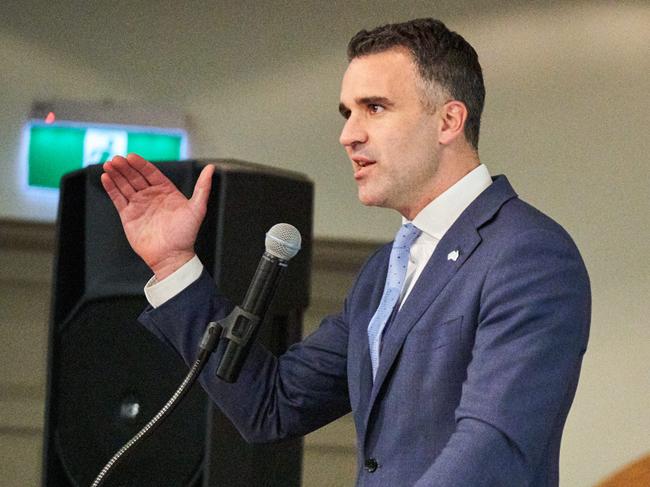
column 477, row 372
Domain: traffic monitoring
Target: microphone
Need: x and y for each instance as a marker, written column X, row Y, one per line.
column 240, row 327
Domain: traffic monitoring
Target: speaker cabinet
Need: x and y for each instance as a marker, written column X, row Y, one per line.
column 108, row 376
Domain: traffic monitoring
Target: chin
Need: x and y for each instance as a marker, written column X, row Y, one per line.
column 370, row 200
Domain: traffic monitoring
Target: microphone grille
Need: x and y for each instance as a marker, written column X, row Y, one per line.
column 283, row 241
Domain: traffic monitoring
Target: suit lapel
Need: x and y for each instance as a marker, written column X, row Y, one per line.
column 451, row 253
column 365, row 391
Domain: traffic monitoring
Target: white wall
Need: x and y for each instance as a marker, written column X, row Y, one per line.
column 566, row 119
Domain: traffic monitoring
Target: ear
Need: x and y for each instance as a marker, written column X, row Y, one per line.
column 453, row 115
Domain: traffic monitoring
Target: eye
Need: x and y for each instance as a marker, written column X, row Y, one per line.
column 375, row 108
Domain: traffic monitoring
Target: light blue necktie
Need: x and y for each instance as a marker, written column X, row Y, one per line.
column 397, row 264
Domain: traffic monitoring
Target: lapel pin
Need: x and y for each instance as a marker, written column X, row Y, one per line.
column 453, row 255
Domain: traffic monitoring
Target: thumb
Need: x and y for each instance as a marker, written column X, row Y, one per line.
column 199, row 199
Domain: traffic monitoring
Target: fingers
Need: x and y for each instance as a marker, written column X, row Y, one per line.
column 125, row 176
column 114, row 193
column 202, row 188
column 146, row 170
column 118, row 178
column 130, row 172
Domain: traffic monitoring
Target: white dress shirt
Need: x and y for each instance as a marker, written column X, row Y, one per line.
column 434, row 220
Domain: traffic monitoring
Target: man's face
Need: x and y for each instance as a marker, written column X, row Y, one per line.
column 389, row 135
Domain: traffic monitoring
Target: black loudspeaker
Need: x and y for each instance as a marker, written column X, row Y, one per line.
column 108, row 376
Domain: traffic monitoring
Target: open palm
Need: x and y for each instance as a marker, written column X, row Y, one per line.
column 160, row 223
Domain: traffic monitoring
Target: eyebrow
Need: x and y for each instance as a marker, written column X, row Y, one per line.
column 366, row 100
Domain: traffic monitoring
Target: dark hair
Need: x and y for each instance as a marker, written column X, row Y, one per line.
column 442, row 57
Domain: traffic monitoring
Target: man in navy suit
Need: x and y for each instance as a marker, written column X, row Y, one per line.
column 477, row 362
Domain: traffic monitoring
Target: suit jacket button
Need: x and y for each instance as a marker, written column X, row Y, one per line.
column 371, row 465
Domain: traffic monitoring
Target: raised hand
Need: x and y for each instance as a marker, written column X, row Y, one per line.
column 160, row 223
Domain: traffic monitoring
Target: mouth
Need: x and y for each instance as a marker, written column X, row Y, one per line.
column 361, row 162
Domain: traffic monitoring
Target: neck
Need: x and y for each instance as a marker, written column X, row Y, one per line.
column 450, row 171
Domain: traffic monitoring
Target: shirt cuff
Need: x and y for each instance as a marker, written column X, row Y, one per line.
column 158, row 293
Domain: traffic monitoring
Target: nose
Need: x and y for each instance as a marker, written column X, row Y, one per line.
column 353, row 132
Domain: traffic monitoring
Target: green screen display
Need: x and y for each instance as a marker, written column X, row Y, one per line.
column 56, row 149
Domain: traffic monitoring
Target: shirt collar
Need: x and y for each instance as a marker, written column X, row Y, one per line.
column 439, row 215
